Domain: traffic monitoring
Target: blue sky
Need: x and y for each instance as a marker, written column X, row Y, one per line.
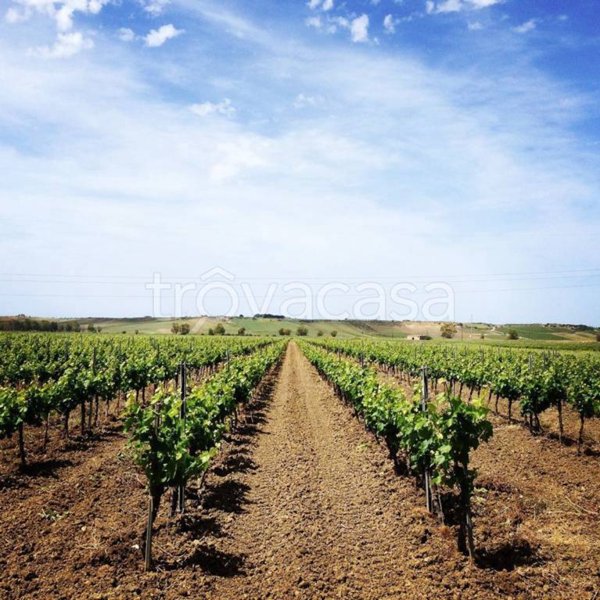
column 452, row 141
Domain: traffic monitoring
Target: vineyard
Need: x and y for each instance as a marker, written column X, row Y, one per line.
column 535, row 381
column 247, row 467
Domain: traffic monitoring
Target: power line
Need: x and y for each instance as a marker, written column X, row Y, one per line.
column 132, row 279
column 329, row 295
column 234, row 283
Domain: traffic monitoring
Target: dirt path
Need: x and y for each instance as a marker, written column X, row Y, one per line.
column 325, row 516
column 200, row 321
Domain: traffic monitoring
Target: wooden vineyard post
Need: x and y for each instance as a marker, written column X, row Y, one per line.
column 152, row 508
column 183, row 415
column 148, row 548
column 427, row 474
column 22, row 456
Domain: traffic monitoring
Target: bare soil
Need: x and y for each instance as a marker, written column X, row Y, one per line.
column 303, row 502
column 537, row 504
column 550, row 426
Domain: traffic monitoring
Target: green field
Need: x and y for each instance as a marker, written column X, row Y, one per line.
column 543, row 332
column 530, row 335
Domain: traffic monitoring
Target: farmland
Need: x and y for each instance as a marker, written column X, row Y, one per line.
column 165, row 466
column 531, row 334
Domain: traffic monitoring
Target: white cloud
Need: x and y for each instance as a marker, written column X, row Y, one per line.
column 452, row 6
column 447, row 6
column 225, row 20
column 484, row 3
column 359, row 29
column 62, row 11
column 304, row 101
column 14, row 15
column 389, row 24
column 155, row 7
column 66, row 45
column 324, row 5
column 474, row 26
column 157, row 37
column 314, row 22
column 125, row 34
column 95, row 6
column 341, row 22
column 526, row 27
column 204, row 109
column 243, row 153
column 64, row 18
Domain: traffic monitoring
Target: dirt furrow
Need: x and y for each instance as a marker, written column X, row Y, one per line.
column 326, row 516
column 312, row 519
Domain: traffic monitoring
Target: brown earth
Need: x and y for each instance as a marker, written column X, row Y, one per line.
column 550, row 426
column 538, row 502
column 303, row 502
column 46, row 462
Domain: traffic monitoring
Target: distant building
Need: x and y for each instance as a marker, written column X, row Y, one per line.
column 416, row 338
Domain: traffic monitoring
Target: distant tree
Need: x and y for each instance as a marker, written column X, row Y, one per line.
column 598, row 336
column 242, row 331
column 320, row 333
column 334, row 333
column 98, row 329
column 482, row 336
column 284, row 331
column 513, row 334
column 211, row 331
column 91, row 328
column 184, row 328
column 175, row 328
column 302, row 330
column 448, row 330
column 137, row 331
column 219, row 329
